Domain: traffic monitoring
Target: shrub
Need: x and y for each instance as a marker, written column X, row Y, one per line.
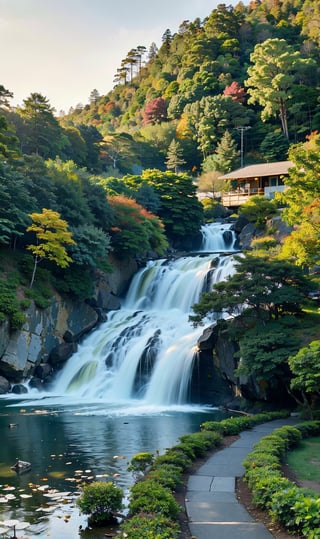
column 149, row 526
column 214, row 426
column 291, row 435
column 9, row 306
column 309, row 428
column 272, row 444
column 307, row 516
column 140, row 462
column 265, row 488
column 295, row 508
column 282, row 506
column 17, row 320
column 25, row 303
column 148, row 496
column 167, row 475
column 101, row 501
column 185, row 449
column 261, row 459
column 201, row 441
column 177, row 458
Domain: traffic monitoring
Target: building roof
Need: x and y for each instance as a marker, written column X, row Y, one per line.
column 258, row 171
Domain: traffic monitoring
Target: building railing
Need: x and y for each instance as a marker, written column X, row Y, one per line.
column 239, row 197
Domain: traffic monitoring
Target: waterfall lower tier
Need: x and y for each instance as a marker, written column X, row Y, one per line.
column 145, row 351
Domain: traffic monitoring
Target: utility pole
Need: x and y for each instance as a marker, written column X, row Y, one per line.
column 242, row 129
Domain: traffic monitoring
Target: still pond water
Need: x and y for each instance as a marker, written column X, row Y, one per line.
column 67, row 445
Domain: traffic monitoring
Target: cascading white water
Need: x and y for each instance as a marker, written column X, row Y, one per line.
column 218, row 237
column 145, row 351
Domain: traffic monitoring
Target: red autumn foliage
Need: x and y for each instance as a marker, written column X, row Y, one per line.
column 155, row 111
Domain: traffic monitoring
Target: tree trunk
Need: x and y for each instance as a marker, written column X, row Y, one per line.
column 36, row 260
column 283, row 118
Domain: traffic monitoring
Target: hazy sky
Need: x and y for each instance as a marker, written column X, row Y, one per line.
column 66, row 48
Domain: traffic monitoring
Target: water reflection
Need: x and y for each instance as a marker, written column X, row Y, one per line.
column 68, row 445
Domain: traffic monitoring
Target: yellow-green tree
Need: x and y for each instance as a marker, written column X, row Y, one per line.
column 52, row 235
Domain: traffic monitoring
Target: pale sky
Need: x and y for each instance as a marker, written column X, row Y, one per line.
column 64, row 49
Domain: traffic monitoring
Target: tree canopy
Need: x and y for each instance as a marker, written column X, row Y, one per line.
column 52, row 237
column 268, row 289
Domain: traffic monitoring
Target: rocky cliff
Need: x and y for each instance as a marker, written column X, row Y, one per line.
column 50, row 336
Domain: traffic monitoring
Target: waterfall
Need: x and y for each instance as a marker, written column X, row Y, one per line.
column 144, row 352
column 218, row 237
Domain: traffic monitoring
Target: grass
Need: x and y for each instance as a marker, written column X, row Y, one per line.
column 305, row 460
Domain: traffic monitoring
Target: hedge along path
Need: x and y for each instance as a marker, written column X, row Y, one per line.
column 296, row 509
column 152, row 511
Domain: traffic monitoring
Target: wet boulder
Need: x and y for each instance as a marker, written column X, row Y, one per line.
column 4, row 385
column 61, row 353
column 19, row 389
column 43, row 370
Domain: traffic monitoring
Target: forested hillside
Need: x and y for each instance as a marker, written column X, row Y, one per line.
column 254, row 65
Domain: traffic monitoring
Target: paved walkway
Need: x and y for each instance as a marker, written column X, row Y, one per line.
column 211, row 504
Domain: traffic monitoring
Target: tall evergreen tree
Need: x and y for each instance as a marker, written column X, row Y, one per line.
column 175, row 157
column 41, row 132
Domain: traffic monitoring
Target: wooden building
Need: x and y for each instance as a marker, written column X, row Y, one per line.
column 262, row 179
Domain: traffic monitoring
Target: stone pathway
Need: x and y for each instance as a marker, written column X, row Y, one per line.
column 211, row 504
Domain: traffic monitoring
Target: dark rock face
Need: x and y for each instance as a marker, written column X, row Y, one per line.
column 239, row 224
column 61, row 353
column 147, row 361
column 43, row 370
column 4, row 385
column 53, row 332
column 228, row 237
column 82, row 318
column 213, row 380
column 246, row 235
column 208, row 385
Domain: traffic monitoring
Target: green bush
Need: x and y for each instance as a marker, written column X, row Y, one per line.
column 282, row 506
column 201, row 441
column 9, row 306
column 307, row 516
column 17, row 320
column 25, row 303
column 177, row 458
column 140, row 462
column 144, row 526
column 234, row 425
column 261, row 459
column 272, row 444
column 265, row 488
column 148, row 496
column 295, row 508
column 184, row 449
column 214, row 426
column 291, row 435
column 309, row 428
column 167, row 475
column 101, row 501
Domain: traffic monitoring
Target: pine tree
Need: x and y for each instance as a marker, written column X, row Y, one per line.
column 225, row 157
column 174, row 156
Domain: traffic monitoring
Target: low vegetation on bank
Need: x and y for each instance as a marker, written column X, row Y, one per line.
column 296, row 509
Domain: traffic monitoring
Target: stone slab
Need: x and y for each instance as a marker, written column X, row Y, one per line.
column 205, row 512
column 223, row 484
column 227, row 530
column 211, row 497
